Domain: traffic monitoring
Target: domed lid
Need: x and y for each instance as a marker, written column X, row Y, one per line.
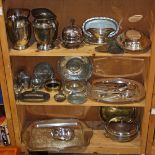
column 72, row 31
column 41, row 13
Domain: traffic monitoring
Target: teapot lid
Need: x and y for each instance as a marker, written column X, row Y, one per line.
column 41, row 13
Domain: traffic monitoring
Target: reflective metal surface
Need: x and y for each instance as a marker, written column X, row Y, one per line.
column 60, row 96
column 108, row 113
column 133, row 40
column 41, row 13
column 74, row 86
column 63, row 133
column 43, row 71
column 116, row 90
column 33, row 96
column 75, row 68
column 19, row 28
column 121, row 129
column 98, row 29
column 72, row 36
column 45, row 31
column 52, row 85
column 77, row 98
column 56, row 135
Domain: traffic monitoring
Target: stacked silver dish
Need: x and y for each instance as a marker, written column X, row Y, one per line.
column 75, row 71
column 121, row 123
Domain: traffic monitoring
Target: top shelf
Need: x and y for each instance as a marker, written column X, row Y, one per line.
column 87, row 50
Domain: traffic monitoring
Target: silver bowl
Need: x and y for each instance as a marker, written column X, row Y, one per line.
column 133, row 40
column 97, row 29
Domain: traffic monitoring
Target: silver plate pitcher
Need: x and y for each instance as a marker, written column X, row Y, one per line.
column 19, row 28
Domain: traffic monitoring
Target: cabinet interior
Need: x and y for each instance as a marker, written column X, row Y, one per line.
column 81, row 10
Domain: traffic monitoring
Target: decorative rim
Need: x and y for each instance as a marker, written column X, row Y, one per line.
column 101, row 18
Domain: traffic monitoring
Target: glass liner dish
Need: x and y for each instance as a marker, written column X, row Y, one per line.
column 75, row 68
column 116, row 90
column 133, row 41
column 38, row 136
column 103, row 28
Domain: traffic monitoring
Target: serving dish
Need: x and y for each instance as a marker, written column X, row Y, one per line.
column 121, row 129
column 56, row 135
column 97, row 29
column 116, row 90
column 75, row 68
column 133, row 40
column 108, row 113
column 74, row 86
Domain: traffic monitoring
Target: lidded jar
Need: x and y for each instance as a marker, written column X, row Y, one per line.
column 45, row 28
column 72, row 36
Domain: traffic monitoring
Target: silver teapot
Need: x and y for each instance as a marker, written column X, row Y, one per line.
column 19, row 28
column 45, row 28
column 72, row 36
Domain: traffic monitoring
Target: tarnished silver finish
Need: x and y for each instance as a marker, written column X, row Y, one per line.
column 60, row 96
column 63, row 133
column 56, row 135
column 108, row 113
column 72, row 36
column 75, row 68
column 98, row 29
column 74, row 86
column 19, row 28
column 116, row 90
column 77, row 98
column 45, row 31
column 43, row 71
column 133, row 40
column 121, row 129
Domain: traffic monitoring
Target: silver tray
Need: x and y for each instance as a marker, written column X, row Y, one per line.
column 75, row 68
column 116, row 90
column 56, row 135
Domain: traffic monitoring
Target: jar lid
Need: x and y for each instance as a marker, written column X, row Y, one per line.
column 41, row 13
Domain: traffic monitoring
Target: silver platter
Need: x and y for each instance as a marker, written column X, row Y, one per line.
column 56, row 135
column 116, row 90
column 75, row 68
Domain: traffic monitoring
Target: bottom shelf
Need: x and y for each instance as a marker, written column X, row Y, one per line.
column 102, row 145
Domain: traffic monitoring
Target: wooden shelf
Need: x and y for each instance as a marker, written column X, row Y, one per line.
column 99, row 144
column 87, row 50
column 89, row 102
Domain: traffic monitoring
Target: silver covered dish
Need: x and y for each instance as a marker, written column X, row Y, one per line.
column 116, row 90
column 133, row 40
column 72, row 36
column 75, row 68
column 56, row 135
column 97, row 29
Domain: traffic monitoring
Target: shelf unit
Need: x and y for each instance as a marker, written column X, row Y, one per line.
column 6, row 101
column 66, row 9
